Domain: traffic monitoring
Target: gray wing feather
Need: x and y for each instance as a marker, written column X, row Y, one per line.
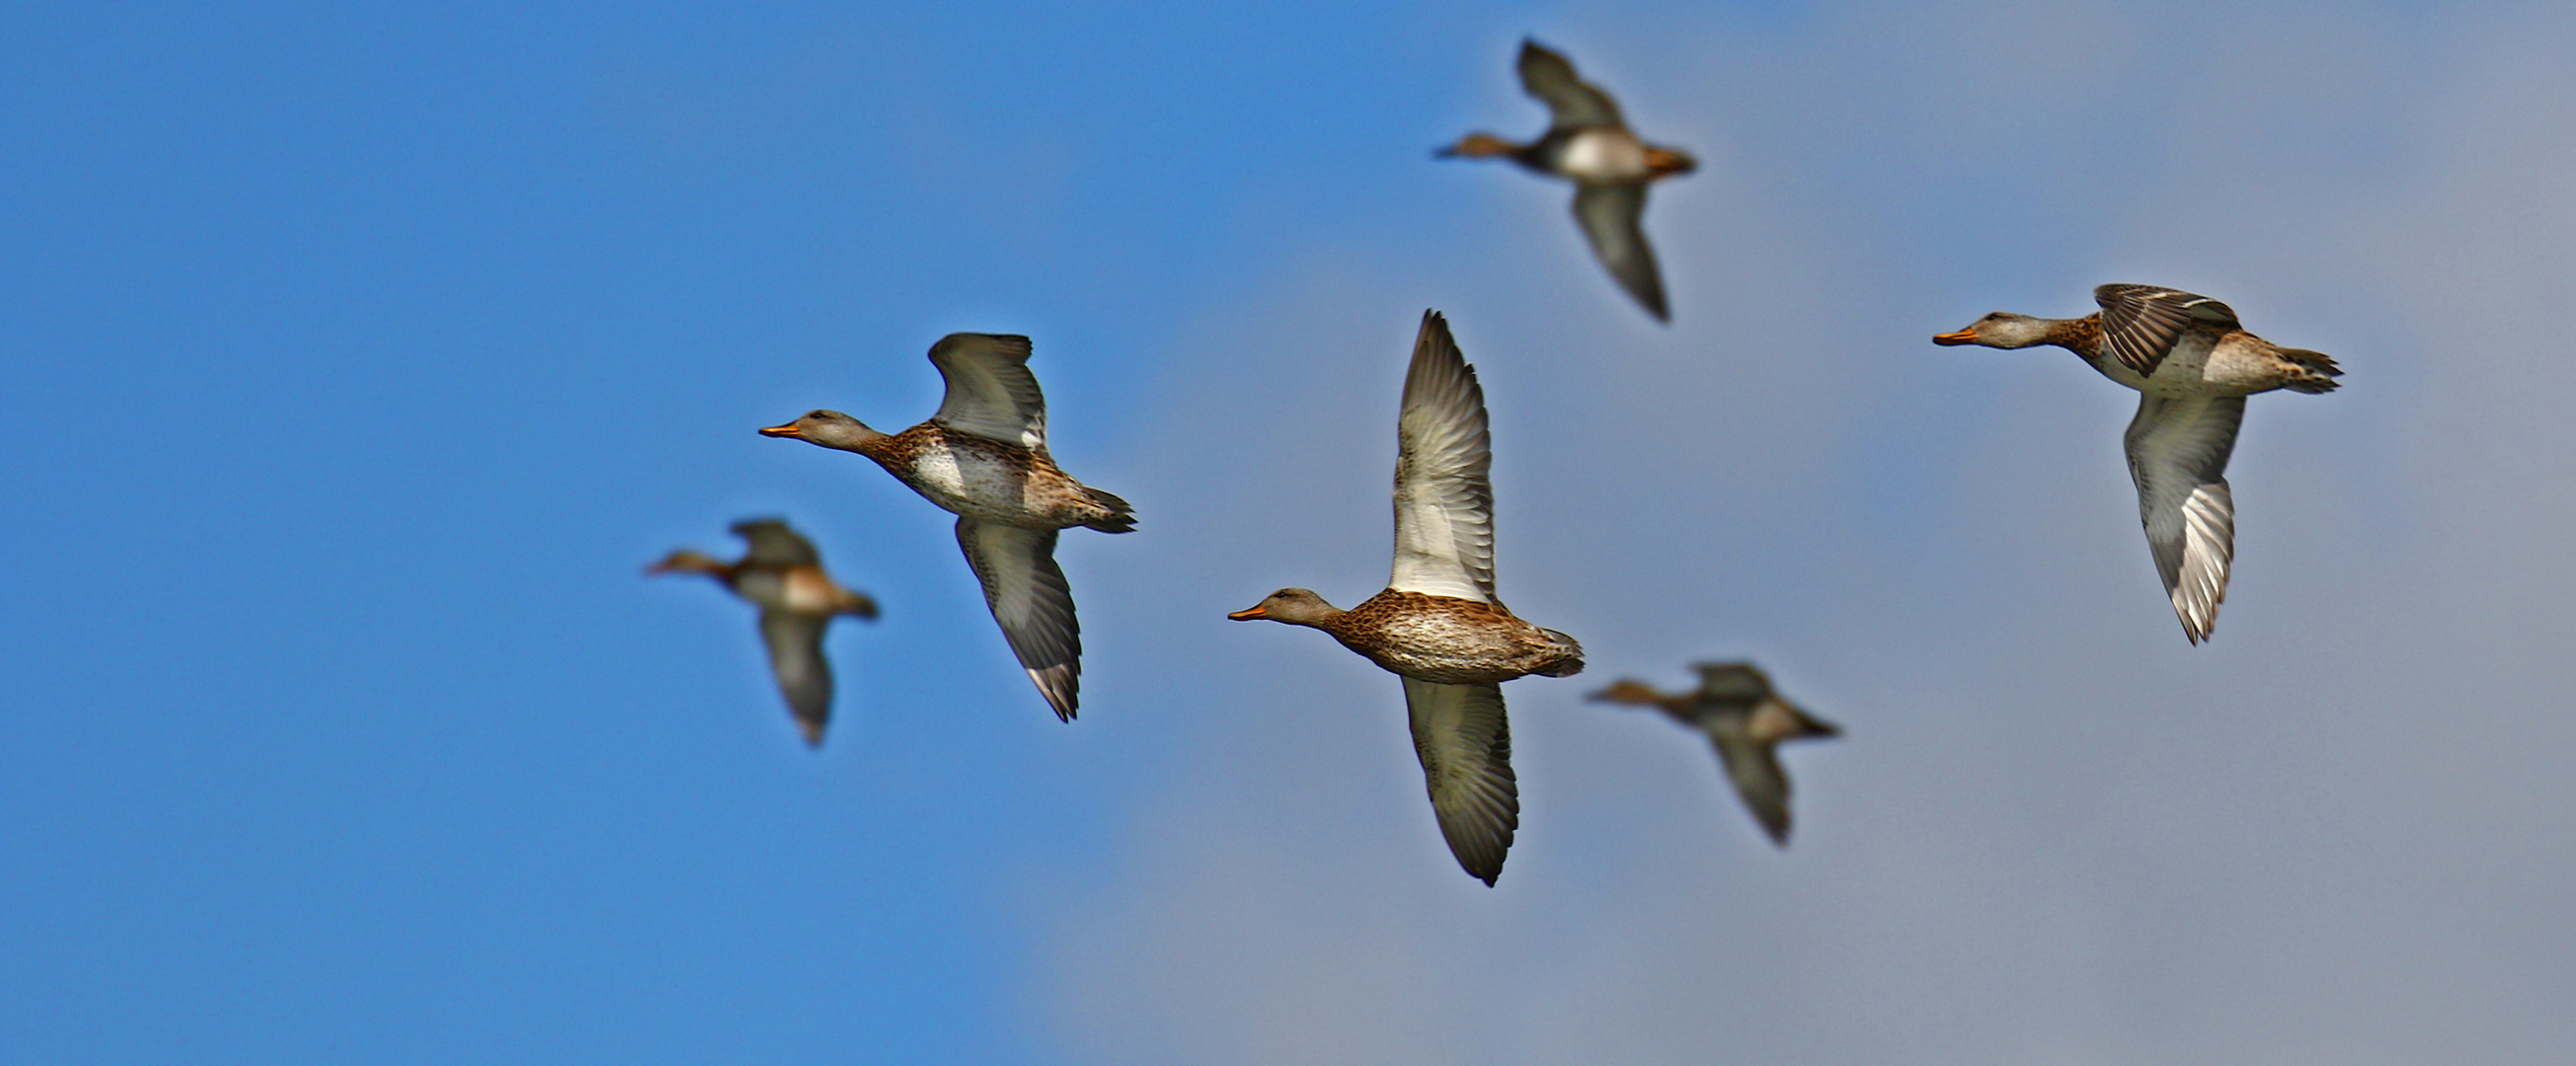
column 1029, row 597
column 773, row 544
column 1732, row 682
column 2140, row 323
column 795, row 642
column 1571, row 104
column 991, row 393
column 1611, row 217
column 1465, row 744
column 2178, row 448
column 1444, row 495
column 1755, row 770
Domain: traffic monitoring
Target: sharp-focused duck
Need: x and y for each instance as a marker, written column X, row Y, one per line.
column 1438, row 624
column 1746, row 721
column 1588, row 144
column 2194, row 366
column 983, row 457
column 783, row 575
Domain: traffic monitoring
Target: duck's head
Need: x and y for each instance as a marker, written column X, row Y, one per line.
column 1629, row 692
column 2002, row 329
column 1478, row 146
column 688, row 561
column 830, row 429
column 1668, row 162
column 1297, row 607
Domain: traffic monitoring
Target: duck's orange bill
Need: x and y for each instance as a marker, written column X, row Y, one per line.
column 1965, row 336
column 1249, row 613
column 788, row 430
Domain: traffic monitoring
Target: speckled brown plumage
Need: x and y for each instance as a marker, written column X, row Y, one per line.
column 1034, row 493
column 1450, row 640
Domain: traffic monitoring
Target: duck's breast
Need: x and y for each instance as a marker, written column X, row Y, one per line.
column 1604, row 156
column 974, row 478
column 1440, row 639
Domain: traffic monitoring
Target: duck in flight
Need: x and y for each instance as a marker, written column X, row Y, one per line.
column 1746, row 721
column 783, row 575
column 1438, row 624
column 2194, row 366
column 1588, row 144
column 983, row 457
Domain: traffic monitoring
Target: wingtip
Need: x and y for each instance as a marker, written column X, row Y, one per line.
column 1061, row 685
column 1485, row 868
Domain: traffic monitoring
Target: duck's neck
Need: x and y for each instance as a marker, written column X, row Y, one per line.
column 2082, row 336
column 856, row 436
column 1330, row 619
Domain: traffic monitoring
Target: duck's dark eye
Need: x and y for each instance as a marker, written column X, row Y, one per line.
column 1992, row 317
column 814, row 414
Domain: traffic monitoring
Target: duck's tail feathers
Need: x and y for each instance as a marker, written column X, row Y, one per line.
column 1572, row 664
column 2315, row 371
column 1122, row 518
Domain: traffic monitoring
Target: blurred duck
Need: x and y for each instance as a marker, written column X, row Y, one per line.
column 983, row 457
column 1438, row 624
column 784, row 576
column 2195, row 365
column 1746, row 721
column 1588, row 144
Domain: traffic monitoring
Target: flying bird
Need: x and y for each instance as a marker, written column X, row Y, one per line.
column 1438, row 624
column 1746, row 721
column 2194, row 366
column 783, row 575
column 1588, row 144
column 983, row 457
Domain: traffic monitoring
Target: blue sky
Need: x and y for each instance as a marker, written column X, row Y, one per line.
column 361, row 359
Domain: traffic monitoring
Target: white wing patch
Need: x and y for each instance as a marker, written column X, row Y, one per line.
column 1444, row 498
column 2209, row 546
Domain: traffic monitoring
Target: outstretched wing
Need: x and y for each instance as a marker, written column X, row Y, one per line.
column 2140, row 323
column 1754, row 769
column 1612, row 217
column 1570, row 103
column 1465, row 743
column 1444, row 500
column 773, row 544
column 2178, row 449
column 991, row 393
column 1732, row 683
column 1029, row 597
column 795, row 641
